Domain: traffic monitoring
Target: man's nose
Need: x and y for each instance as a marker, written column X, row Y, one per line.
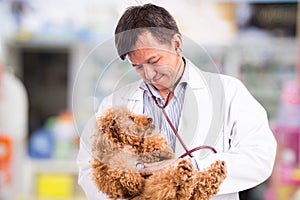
column 150, row 72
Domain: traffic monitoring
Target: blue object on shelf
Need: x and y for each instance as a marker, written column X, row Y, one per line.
column 41, row 144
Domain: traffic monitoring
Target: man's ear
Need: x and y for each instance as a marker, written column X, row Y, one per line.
column 177, row 42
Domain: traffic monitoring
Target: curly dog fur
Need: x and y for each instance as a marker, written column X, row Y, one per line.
column 123, row 139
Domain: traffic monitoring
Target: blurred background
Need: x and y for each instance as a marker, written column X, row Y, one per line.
column 58, row 61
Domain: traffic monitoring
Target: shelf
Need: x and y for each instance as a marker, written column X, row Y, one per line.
column 49, row 173
column 53, row 166
column 56, row 198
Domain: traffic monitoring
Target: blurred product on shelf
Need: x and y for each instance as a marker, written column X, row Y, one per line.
column 285, row 180
column 13, row 132
column 52, row 169
column 56, row 139
column 41, row 144
column 64, row 137
column 289, row 112
column 53, row 186
column 288, row 125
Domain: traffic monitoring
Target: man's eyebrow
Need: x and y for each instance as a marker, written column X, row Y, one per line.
column 137, row 65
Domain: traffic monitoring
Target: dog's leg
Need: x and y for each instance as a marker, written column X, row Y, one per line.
column 208, row 181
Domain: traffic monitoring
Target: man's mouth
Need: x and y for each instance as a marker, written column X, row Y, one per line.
column 155, row 80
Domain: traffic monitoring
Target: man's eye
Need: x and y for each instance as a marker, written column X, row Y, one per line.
column 139, row 67
column 154, row 62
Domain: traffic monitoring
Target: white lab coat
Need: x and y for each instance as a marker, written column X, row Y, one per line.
column 218, row 111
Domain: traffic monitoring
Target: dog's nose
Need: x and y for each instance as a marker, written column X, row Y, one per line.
column 150, row 120
column 131, row 118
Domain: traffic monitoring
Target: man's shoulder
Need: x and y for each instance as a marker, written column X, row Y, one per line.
column 226, row 80
column 213, row 77
column 120, row 96
column 127, row 90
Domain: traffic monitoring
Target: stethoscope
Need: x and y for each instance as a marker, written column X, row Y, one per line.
column 162, row 107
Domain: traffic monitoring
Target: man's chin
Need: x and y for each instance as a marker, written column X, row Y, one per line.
column 161, row 87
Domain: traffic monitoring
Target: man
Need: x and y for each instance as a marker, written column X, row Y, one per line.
column 203, row 108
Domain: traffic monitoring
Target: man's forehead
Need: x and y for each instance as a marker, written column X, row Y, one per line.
column 141, row 56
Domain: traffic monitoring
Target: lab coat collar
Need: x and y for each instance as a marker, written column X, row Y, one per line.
column 195, row 78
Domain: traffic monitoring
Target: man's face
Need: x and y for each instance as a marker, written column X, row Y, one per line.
column 154, row 62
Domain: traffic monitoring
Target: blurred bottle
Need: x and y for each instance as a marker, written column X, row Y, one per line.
column 41, row 144
column 64, row 137
column 288, row 124
column 13, row 131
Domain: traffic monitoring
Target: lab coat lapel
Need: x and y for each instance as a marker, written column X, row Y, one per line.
column 188, row 121
column 215, row 124
column 195, row 120
column 202, row 116
column 134, row 99
column 136, row 106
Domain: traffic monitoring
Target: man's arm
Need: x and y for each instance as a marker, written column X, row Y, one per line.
column 252, row 146
column 85, row 156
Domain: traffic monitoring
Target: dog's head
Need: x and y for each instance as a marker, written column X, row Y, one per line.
column 123, row 127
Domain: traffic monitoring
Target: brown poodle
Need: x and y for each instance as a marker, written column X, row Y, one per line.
column 124, row 139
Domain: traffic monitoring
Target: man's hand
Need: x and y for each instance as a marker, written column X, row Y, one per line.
column 150, row 168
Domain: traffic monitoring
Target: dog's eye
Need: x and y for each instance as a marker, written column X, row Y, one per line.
column 150, row 119
column 131, row 118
